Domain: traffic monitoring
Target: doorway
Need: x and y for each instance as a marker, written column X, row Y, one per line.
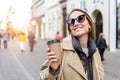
column 98, row 23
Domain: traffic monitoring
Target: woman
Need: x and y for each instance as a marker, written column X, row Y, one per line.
column 22, row 41
column 58, row 37
column 81, row 60
column 31, row 39
column 5, row 38
column 0, row 39
column 101, row 44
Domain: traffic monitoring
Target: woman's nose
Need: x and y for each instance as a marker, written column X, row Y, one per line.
column 76, row 22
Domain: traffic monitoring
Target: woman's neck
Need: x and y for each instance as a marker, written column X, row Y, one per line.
column 83, row 41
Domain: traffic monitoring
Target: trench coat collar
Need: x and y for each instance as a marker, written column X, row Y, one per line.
column 67, row 43
column 91, row 45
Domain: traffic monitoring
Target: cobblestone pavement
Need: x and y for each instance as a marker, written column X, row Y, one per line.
column 15, row 65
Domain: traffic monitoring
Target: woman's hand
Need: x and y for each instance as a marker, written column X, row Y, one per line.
column 53, row 60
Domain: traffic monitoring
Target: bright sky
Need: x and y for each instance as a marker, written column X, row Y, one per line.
column 22, row 9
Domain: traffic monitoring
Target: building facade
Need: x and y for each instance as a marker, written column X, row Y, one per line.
column 52, row 15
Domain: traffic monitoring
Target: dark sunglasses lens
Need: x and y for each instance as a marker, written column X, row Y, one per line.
column 71, row 22
column 81, row 18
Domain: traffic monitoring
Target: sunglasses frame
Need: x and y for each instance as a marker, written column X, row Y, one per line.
column 69, row 21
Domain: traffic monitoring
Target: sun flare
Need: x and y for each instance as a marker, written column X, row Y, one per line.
column 21, row 10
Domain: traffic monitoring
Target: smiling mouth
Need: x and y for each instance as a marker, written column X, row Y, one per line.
column 77, row 29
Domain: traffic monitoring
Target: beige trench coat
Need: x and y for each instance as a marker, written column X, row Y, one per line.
column 72, row 68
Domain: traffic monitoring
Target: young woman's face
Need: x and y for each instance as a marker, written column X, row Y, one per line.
column 79, row 25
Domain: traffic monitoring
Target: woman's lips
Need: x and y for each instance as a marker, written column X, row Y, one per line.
column 77, row 29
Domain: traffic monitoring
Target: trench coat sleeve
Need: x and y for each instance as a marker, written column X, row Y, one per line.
column 45, row 72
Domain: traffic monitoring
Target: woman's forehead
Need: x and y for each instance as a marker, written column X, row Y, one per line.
column 75, row 14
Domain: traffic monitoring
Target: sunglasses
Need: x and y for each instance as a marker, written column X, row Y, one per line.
column 79, row 19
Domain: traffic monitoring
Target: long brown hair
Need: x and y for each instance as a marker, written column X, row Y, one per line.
column 91, row 31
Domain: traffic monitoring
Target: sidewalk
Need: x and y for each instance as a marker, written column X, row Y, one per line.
column 15, row 65
column 111, row 66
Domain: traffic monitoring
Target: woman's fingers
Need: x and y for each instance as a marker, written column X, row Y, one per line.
column 51, row 55
column 53, row 60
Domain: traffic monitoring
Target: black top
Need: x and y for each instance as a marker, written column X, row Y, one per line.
column 101, row 43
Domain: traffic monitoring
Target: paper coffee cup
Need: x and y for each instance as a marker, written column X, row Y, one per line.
column 55, row 46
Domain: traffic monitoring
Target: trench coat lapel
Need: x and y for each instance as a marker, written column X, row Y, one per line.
column 74, row 60
column 76, row 64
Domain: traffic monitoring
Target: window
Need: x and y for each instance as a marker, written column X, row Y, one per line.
column 96, row 1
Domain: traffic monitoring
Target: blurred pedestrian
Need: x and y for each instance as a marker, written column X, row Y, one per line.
column 12, row 35
column 81, row 59
column 31, row 39
column 22, row 41
column 5, row 38
column 58, row 36
column 101, row 44
column 0, row 39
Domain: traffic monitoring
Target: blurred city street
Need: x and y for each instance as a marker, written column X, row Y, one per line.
column 43, row 18
column 15, row 65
